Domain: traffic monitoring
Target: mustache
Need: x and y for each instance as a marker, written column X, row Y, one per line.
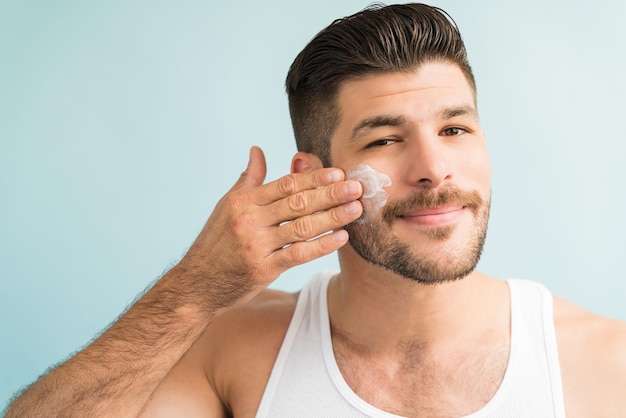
column 430, row 199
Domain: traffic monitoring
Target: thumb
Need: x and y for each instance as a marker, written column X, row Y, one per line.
column 255, row 172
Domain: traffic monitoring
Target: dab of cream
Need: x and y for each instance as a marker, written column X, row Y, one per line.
column 374, row 197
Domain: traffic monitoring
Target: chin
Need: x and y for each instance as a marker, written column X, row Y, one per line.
column 429, row 255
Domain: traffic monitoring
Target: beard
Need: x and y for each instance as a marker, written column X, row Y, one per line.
column 374, row 241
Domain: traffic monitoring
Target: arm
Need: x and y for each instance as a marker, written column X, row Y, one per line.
column 255, row 233
column 592, row 352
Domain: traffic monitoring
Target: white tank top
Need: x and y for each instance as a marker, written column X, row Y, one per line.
column 306, row 381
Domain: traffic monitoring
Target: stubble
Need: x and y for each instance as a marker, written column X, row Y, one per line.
column 375, row 242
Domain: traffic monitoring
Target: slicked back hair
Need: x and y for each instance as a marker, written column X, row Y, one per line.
column 379, row 39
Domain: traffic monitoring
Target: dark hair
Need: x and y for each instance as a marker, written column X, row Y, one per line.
column 379, row 39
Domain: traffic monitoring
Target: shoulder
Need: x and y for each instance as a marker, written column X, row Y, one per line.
column 267, row 316
column 240, row 347
column 592, row 352
column 225, row 371
column 258, row 323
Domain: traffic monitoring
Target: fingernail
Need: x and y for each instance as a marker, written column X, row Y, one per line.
column 340, row 235
column 351, row 187
column 335, row 176
column 353, row 208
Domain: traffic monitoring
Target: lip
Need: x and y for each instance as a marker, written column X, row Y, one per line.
column 434, row 217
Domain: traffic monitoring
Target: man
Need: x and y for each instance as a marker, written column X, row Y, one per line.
column 383, row 105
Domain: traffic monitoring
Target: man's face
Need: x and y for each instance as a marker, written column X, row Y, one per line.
column 420, row 129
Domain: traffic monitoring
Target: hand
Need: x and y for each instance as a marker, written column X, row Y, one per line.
column 257, row 231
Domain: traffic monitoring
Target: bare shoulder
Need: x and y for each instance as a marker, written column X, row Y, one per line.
column 225, row 372
column 267, row 316
column 240, row 348
column 592, row 351
column 263, row 320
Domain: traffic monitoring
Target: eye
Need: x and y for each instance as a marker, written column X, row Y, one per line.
column 454, row 131
column 381, row 142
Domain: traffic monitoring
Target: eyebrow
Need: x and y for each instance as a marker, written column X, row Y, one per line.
column 452, row 112
column 376, row 122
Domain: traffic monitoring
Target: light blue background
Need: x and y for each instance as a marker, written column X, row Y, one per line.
column 123, row 122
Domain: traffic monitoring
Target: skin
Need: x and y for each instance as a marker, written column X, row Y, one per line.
column 226, row 328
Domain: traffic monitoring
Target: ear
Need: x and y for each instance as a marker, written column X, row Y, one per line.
column 304, row 162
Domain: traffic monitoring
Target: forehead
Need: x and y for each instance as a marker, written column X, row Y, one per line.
column 414, row 95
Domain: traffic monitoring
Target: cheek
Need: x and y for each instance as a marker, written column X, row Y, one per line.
column 476, row 167
column 484, row 168
column 374, row 183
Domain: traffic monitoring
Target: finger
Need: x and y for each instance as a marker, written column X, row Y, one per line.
column 255, row 172
column 307, row 202
column 297, row 182
column 311, row 226
column 305, row 251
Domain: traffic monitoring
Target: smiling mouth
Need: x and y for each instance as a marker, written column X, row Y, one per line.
column 442, row 210
column 434, row 217
column 430, row 208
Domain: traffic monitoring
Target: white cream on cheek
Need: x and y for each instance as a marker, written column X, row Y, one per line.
column 374, row 197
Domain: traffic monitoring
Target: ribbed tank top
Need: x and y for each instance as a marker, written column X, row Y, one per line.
column 306, row 381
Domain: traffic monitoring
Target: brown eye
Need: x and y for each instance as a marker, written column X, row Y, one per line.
column 453, row 131
column 381, row 142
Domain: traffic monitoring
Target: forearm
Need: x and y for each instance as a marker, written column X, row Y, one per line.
column 255, row 233
column 116, row 374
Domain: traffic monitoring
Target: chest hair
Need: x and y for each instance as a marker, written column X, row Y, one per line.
column 418, row 381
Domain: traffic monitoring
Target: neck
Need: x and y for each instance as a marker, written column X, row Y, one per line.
column 374, row 308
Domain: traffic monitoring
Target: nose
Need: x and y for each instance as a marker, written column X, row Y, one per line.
column 429, row 162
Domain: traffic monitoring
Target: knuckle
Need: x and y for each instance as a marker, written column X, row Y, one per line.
column 248, row 246
column 333, row 193
column 299, row 254
column 287, row 184
column 234, row 200
column 240, row 223
column 297, row 202
column 322, row 245
column 284, row 262
column 229, row 201
column 335, row 217
column 302, row 228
